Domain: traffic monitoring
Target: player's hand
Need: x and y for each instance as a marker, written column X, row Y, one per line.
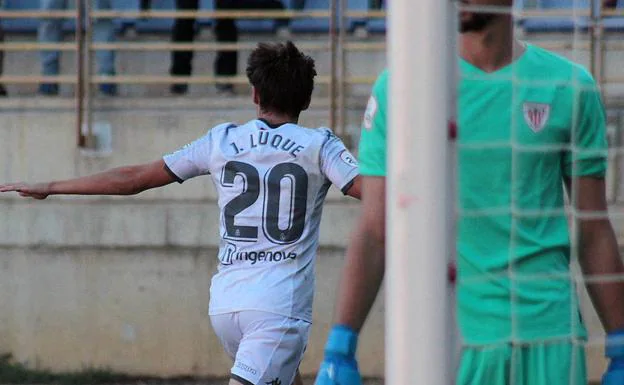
column 36, row 191
column 615, row 351
column 339, row 366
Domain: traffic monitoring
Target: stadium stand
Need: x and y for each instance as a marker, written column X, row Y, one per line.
column 21, row 25
column 125, row 5
column 29, row 25
column 615, row 23
column 566, row 23
column 164, row 25
column 377, row 25
column 304, row 25
column 317, row 25
column 555, row 23
column 155, row 25
column 321, row 25
column 257, row 25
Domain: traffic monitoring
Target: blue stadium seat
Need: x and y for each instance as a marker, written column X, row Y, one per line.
column 125, row 5
column 157, row 25
column 256, row 25
column 206, row 5
column 557, row 24
column 357, row 5
column 615, row 23
column 21, row 25
column 250, row 25
column 310, row 25
column 321, row 25
column 377, row 25
column 164, row 25
column 30, row 25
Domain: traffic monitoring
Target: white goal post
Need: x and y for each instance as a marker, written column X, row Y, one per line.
column 421, row 59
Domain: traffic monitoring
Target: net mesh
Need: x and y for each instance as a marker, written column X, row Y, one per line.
column 585, row 32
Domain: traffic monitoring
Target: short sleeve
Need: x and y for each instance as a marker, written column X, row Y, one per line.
column 372, row 147
column 588, row 139
column 337, row 163
column 191, row 160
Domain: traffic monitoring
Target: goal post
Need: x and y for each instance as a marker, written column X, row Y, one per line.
column 420, row 56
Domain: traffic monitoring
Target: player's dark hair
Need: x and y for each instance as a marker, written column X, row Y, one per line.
column 282, row 76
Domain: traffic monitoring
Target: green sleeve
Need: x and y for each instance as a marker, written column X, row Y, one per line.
column 587, row 155
column 372, row 148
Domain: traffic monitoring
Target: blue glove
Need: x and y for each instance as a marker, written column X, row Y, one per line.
column 615, row 351
column 339, row 366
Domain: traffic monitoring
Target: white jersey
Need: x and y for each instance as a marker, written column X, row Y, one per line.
column 271, row 184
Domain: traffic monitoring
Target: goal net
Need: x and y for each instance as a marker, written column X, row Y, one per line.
column 521, row 290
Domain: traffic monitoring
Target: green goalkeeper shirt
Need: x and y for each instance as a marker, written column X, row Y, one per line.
column 522, row 130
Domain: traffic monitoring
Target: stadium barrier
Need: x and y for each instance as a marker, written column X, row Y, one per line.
column 337, row 45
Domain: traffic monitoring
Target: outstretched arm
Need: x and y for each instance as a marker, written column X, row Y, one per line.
column 365, row 264
column 127, row 180
column 361, row 279
column 600, row 260
column 599, row 254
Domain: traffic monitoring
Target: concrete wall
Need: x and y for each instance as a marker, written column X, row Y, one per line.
column 123, row 283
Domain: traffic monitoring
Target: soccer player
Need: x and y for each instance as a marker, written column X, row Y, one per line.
column 272, row 176
column 530, row 122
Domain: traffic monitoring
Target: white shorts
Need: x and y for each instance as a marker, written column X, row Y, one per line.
column 266, row 348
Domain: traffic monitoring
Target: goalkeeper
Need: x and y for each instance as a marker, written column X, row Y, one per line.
column 529, row 122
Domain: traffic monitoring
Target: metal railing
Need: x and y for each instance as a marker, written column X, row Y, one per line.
column 84, row 47
column 337, row 45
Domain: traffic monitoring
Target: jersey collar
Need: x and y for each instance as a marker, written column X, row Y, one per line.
column 269, row 125
column 468, row 68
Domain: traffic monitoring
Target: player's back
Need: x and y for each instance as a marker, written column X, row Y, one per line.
column 271, row 184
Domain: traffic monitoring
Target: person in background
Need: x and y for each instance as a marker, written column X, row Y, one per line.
column 183, row 32
column 226, row 63
column 226, row 31
column 51, row 31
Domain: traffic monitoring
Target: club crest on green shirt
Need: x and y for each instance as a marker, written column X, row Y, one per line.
column 536, row 115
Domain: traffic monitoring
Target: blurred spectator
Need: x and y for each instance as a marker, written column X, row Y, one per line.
column 610, row 3
column 226, row 63
column 376, row 4
column 183, row 32
column 51, row 31
column 3, row 91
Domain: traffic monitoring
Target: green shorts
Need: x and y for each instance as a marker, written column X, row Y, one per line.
column 526, row 364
